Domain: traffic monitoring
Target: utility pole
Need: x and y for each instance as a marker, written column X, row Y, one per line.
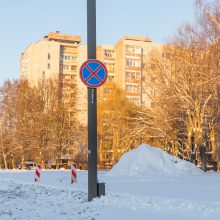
column 141, row 82
column 92, row 104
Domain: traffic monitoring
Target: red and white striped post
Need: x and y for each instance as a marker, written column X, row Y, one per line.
column 73, row 173
column 37, row 173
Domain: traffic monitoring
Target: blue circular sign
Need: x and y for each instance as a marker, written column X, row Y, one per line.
column 93, row 73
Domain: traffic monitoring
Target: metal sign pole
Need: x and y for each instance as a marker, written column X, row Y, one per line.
column 92, row 104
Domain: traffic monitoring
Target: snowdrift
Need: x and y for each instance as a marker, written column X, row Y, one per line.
column 147, row 160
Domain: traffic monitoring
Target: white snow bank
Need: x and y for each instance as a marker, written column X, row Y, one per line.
column 147, row 160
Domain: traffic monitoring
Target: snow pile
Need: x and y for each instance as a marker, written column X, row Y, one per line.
column 147, row 160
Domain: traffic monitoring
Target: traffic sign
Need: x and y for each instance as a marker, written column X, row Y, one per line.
column 93, row 73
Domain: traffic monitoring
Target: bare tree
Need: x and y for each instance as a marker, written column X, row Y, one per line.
column 185, row 83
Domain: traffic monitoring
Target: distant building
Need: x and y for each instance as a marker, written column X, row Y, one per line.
column 58, row 56
column 107, row 55
column 128, row 68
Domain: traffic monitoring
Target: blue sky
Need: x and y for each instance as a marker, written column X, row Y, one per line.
column 25, row 21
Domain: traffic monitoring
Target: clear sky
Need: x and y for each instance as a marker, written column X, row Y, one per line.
column 26, row 21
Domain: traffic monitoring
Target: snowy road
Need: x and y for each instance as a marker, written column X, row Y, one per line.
column 196, row 197
column 169, row 189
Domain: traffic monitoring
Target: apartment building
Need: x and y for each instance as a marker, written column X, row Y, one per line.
column 58, row 56
column 107, row 55
column 134, row 71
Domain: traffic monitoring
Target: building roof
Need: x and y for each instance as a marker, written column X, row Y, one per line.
column 143, row 39
column 57, row 36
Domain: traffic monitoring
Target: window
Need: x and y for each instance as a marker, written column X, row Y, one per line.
column 110, row 66
column 73, row 77
column 128, row 88
column 108, row 53
column 48, row 66
column 72, row 104
column 128, row 75
column 153, row 91
column 74, row 58
column 68, row 57
column 135, row 101
column 131, row 88
column 133, row 49
column 72, row 86
column 133, row 75
column 72, row 114
column 111, row 78
column 72, row 123
column 130, row 62
column 72, row 95
column 152, row 104
column 138, row 75
column 133, row 62
column 73, row 67
column 48, row 56
column 130, row 49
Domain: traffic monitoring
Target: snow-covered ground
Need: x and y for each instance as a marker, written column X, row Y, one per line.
column 147, row 183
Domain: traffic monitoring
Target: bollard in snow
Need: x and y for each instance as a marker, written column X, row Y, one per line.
column 73, row 173
column 37, row 173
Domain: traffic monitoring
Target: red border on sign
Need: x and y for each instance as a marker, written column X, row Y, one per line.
column 102, row 65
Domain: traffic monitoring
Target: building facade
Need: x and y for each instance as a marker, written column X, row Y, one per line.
column 58, row 56
column 107, row 54
column 136, row 72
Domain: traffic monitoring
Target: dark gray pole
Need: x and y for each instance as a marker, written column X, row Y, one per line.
column 92, row 104
column 141, row 82
column 142, row 65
